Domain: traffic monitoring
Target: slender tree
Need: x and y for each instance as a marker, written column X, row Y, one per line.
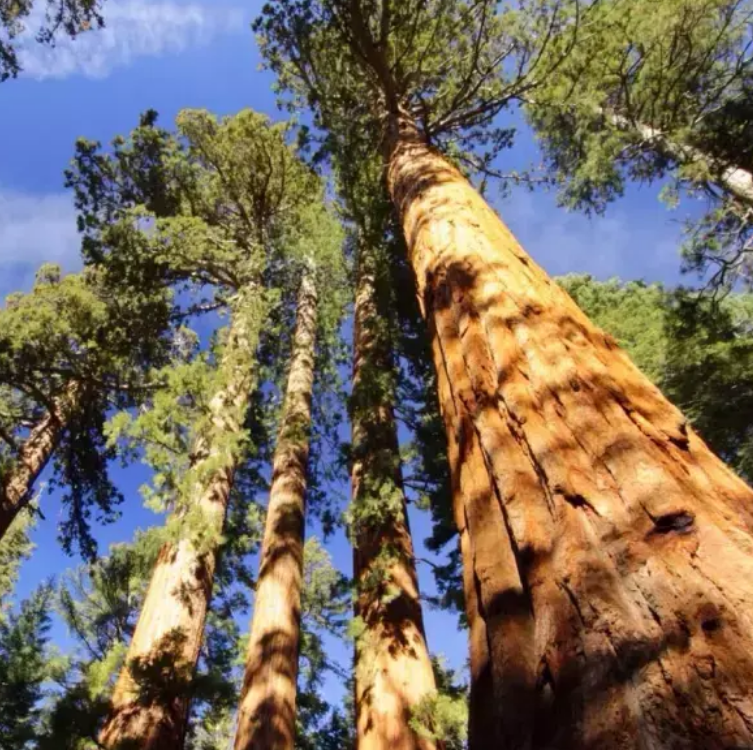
column 268, row 702
column 612, row 558
column 222, row 204
column 393, row 669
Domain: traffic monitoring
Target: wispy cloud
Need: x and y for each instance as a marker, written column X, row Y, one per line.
column 643, row 243
column 35, row 229
column 133, row 29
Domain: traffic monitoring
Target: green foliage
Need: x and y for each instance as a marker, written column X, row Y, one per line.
column 23, row 669
column 443, row 716
column 325, row 601
column 75, row 346
column 15, row 547
column 670, row 66
column 657, row 90
column 72, row 16
column 698, row 350
column 453, row 65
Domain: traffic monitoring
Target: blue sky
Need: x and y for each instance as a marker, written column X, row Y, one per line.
column 170, row 55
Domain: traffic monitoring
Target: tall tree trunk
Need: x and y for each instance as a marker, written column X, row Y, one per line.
column 626, row 584
column 484, row 559
column 735, row 180
column 266, row 719
column 151, row 713
column 17, row 486
column 393, row 669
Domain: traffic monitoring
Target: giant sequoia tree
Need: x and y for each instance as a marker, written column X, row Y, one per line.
column 216, row 209
column 268, row 703
column 393, row 669
column 699, row 351
column 609, row 549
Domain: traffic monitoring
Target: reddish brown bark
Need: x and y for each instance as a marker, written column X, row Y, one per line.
column 616, row 553
column 35, row 454
column 152, row 714
column 266, row 718
column 393, row 669
column 482, row 554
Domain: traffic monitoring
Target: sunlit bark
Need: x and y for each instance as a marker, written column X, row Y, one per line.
column 615, row 553
column 17, row 488
column 266, row 718
column 393, row 669
column 152, row 713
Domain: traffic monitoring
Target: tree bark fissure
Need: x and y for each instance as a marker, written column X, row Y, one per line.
column 499, row 602
column 150, row 703
column 469, row 487
column 34, row 455
column 393, row 669
column 267, row 712
column 623, row 547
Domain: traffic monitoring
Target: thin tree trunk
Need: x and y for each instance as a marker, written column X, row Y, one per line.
column 266, row 719
column 393, row 669
column 35, row 454
column 152, row 713
column 626, row 587
column 735, row 180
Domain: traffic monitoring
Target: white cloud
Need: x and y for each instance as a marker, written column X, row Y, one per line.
column 133, row 29
column 35, row 229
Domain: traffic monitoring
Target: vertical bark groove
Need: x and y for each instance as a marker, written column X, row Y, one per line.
column 152, row 713
column 623, row 552
column 393, row 669
column 35, row 454
column 267, row 712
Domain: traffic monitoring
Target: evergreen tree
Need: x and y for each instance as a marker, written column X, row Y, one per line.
column 15, row 547
column 658, row 90
column 23, row 669
column 223, row 203
column 268, row 703
column 600, row 528
column 393, row 670
column 324, row 605
column 69, row 351
column 645, row 93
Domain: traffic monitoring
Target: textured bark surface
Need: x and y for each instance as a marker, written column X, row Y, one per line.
column 623, row 557
column 16, row 491
column 483, row 557
column 393, row 669
column 267, row 712
column 168, row 636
